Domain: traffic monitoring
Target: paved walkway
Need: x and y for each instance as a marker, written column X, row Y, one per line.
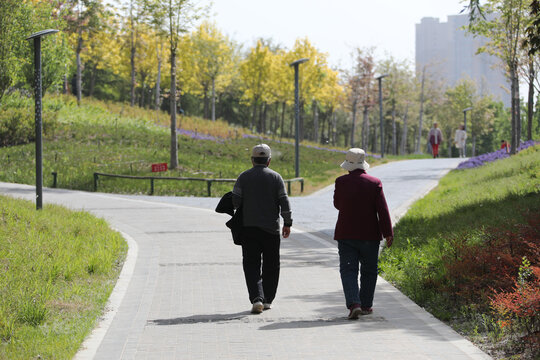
column 182, row 294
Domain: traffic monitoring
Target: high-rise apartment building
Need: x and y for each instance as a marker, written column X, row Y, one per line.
column 449, row 53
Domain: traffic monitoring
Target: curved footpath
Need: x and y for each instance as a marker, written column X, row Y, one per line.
column 182, row 295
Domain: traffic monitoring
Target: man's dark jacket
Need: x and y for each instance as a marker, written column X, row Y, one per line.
column 225, row 206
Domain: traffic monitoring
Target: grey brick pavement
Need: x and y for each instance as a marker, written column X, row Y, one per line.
column 187, row 297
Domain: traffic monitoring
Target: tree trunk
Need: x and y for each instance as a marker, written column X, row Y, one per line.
column 158, row 82
column 353, row 128
column 276, row 119
column 374, row 142
column 262, row 117
column 213, row 99
column 65, row 88
column 291, row 124
column 315, row 121
column 282, row 129
column 79, row 68
column 365, row 127
column 301, row 127
column 334, row 130
column 93, row 75
column 143, row 90
column 206, row 102
column 132, row 62
column 449, row 136
column 419, row 137
column 404, row 133
column 514, row 90
column 174, row 139
column 394, row 134
column 530, row 99
column 254, row 115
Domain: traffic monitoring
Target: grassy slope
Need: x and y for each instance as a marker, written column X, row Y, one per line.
column 465, row 203
column 99, row 137
column 58, row 268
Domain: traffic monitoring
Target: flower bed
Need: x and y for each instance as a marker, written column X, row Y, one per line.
column 492, row 156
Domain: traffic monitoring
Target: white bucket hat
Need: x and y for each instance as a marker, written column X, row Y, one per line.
column 355, row 159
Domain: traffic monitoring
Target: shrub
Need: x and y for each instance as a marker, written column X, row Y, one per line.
column 17, row 121
column 475, row 268
column 519, row 308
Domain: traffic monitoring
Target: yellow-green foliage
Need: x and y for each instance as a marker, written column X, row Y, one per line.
column 57, row 269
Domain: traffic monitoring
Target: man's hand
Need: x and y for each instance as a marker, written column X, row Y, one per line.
column 286, row 231
column 389, row 241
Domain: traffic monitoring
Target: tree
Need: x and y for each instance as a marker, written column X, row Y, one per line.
column 399, row 87
column 504, row 24
column 137, row 11
column 10, row 36
column 254, row 73
column 19, row 19
column 84, row 19
column 362, row 89
column 102, row 50
column 213, row 54
column 178, row 16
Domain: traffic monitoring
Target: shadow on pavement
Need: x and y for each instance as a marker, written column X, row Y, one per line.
column 196, row 319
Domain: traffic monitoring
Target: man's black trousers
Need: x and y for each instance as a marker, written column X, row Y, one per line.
column 261, row 281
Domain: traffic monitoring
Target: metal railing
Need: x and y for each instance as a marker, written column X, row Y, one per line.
column 209, row 182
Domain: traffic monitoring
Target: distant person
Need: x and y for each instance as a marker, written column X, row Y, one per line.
column 435, row 139
column 363, row 221
column 459, row 139
column 261, row 193
column 505, row 146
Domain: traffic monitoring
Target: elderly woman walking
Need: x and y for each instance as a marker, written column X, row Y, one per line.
column 363, row 221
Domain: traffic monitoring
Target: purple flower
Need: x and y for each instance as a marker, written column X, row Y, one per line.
column 492, row 156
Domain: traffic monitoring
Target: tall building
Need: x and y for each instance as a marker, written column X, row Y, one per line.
column 448, row 53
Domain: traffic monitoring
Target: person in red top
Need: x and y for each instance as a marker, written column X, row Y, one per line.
column 504, row 145
column 363, row 221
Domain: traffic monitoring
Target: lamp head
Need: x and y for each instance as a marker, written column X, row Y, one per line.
column 41, row 33
column 298, row 62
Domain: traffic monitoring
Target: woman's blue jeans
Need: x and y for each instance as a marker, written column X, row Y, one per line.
column 353, row 253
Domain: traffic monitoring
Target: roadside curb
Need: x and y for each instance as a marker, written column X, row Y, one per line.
column 92, row 342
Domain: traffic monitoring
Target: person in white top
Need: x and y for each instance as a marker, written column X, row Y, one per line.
column 459, row 140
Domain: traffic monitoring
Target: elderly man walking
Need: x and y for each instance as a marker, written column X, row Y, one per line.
column 261, row 193
column 363, row 221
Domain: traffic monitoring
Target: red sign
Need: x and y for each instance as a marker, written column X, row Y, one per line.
column 159, row 167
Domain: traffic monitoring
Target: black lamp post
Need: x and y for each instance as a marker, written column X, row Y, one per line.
column 39, row 124
column 297, row 116
column 465, row 126
column 379, row 78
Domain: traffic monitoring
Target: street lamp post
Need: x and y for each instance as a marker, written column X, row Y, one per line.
column 297, row 116
column 39, row 124
column 379, row 78
column 465, row 126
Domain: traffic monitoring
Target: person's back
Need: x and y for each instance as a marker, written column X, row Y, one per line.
column 358, row 197
column 261, row 193
column 261, row 190
column 362, row 222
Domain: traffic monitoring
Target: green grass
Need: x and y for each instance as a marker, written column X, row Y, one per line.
column 58, row 268
column 466, row 204
column 110, row 138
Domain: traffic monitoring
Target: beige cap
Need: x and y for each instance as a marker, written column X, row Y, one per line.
column 261, row 151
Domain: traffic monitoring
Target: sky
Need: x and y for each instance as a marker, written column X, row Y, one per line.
column 335, row 27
